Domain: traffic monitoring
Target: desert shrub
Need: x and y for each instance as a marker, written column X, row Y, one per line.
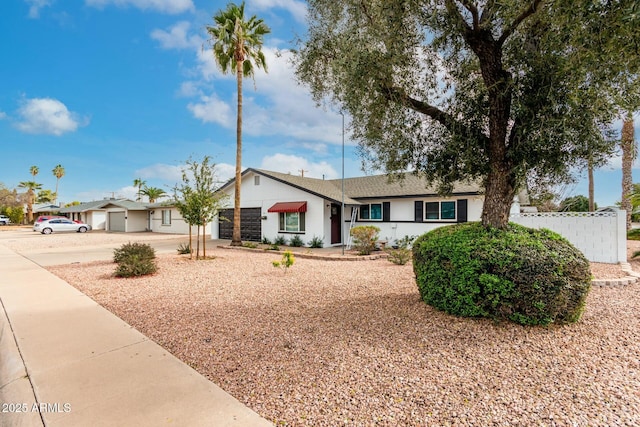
column 528, row 276
column 296, row 241
column 250, row 245
column 286, row 262
column 273, row 247
column 401, row 253
column 280, row 240
column 364, row 238
column 184, row 248
column 316, row 242
column 266, row 241
column 135, row 259
column 633, row 234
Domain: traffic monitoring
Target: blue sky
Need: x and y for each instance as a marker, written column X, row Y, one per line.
column 115, row 90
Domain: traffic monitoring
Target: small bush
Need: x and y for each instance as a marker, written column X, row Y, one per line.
column 528, row 276
column 280, row 240
column 184, row 248
column 266, row 241
column 316, row 242
column 273, row 247
column 287, row 261
column 250, row 245
column 135, row 259
column 365, row 238
column 296, row 241
column 400, row 253
column 633, row 234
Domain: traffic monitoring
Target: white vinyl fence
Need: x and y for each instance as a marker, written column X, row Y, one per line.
column 601, row 236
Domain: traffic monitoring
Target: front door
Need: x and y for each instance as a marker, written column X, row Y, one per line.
column 336, row 224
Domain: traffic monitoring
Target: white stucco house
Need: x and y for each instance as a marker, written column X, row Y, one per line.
column 164, row 217
column 111, row 214
column 274, row 203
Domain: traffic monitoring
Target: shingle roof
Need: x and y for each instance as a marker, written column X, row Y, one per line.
column 366, row 187
column 100, row 204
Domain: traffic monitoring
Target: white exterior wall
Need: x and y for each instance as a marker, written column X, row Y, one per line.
column 269, row 192
column 177, row 226
column 136, row 221
column 402, row 217
column 601, row 236
column 96, row 219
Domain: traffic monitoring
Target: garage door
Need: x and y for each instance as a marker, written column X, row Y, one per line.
column 116, row 221
column 250, row 224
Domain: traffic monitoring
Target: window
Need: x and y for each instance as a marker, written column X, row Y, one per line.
column 256, row 180
column 371, row 212
column 436, row 211
column 291, row 222
column 166, row 217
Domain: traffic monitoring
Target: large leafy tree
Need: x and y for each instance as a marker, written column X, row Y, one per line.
column 237, row 47
column 628, row 147
column 495, row 91
column 58, row 172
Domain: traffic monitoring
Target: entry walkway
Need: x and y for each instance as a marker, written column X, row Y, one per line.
column 66, row 361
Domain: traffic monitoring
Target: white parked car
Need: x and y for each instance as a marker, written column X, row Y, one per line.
column 59, row 225
column 4, row 220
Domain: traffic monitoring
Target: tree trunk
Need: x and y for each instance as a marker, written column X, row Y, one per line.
column 236, row 236
column 498, row 198
column 592, row 203
column 190, row 245
column 198, row 241
column 628, row 146
column 204, row 244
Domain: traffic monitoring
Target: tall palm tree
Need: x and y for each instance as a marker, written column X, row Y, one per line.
column 153, row 193
column 34, row 170
column 31, row 187
column 628, row 146
column 139, row 183
column 58, row 172
column 237, row 45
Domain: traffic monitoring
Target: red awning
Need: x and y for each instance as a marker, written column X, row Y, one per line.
column 289, row 207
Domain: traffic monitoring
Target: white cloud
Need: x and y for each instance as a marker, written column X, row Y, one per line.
column 3, row 115
column 287, row 163
column 210, row 109
column 176, row 37
column 164, row 6
column 297, row 9
column 36, row 5
column 169, row 173
column 47, row 116
column 189, row 89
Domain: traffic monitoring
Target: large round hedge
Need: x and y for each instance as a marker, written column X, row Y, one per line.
column 525, row 275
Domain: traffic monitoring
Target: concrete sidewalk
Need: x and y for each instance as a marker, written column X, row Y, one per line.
column 66, row 361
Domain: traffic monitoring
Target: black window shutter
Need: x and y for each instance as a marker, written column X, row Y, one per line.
column 418, row 211
column 386, row 211
column 462, row 210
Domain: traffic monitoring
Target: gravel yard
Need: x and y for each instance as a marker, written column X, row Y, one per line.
column 350, row 343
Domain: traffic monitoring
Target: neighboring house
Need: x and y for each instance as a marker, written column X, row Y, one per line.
column 44, row 209
column 274, row 203
column 111, row 215
column 165, row 218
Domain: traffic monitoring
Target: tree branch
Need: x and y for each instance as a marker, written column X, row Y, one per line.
column 474, row 12
column 532, row 9
column 457, row 16
column 487, row 12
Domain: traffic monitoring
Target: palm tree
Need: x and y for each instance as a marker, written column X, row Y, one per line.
column 153, row 193
column 58, row 172
column 31, row 187
column 628, row 146
column 139, row 182
column 45, row 196
column 237, row 45
column 34, row 170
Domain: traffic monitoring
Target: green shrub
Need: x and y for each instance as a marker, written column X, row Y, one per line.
column 633, row 234
column 296, row 241
column 528, row 276
column 250, row 245
column 364, row 238
column 184, row 248
column 266, row 241
column 280, row 240
column 316, row 242
column 135, row 259
column 287, row 261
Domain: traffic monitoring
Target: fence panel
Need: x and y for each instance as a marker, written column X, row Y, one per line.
column 601, row 236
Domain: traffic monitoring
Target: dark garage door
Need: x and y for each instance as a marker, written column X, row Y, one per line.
column 250, row 224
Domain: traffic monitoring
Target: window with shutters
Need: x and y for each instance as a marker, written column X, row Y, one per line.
column 371, row 212
column 440, row 211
